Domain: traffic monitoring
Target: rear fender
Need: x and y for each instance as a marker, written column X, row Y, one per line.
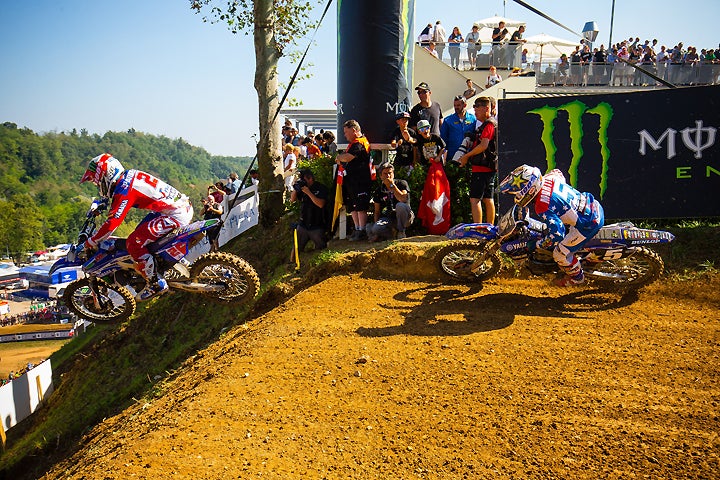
column 177, row 245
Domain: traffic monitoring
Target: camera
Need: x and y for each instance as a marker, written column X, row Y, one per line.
column 298, row 186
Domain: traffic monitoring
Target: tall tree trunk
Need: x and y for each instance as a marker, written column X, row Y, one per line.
column 270, row 162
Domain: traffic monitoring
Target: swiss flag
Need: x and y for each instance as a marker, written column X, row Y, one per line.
column 434, row 210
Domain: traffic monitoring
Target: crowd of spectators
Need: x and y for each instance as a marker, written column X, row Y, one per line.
column 587, row 65
column 615, row 66
column 13, row 375
column 47, row 311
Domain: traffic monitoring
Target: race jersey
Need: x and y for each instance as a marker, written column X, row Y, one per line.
column 140, row 190
column 559, row 204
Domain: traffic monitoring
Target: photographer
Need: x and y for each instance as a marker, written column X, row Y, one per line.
column 313, row 223
column 212, row 209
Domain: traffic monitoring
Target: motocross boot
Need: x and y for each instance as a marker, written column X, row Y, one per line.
column 153, row 289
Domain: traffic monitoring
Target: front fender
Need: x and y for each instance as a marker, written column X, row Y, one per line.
column 484, row 231
column 64, row 263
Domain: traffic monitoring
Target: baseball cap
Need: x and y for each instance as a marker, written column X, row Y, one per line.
column 423, row 124
column 422, row 86
column 402, row 115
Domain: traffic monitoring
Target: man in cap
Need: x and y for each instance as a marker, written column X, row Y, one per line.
column 403, row 140
column 426, row 109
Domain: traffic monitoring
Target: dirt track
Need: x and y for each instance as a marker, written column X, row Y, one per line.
column 366, row 378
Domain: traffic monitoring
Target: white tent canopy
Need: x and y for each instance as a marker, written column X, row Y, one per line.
column 492, row 22
column 548, row 45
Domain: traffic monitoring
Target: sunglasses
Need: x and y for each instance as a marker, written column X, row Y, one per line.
column 424, row 129
column 422, row 92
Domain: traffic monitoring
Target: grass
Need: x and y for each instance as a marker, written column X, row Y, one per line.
column 103, row 371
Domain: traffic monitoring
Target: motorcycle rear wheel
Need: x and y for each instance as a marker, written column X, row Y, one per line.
column 239, row 278
column 116, row 303
column 456, row 259
column 635, row 271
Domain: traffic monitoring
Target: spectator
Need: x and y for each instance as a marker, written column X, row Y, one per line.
column 330, row 146
column 357, row 182
column 426, row 109
column 439, row 36
column 233, row 184
column 471, row 91
column 494, row 78
column 431, row 48
column 313, row 224
column 473, row 46
column 455, row 126
column 498, row 36
column 392, row 206
column 254, row 177
column 482, row 156
column 289, row 166
column 454, row 41
column 403, row 141
column 212, row 209
column 312, row 150
column 425, row 36
column 217, row 191
column 562, row 67
column 513, row 47
column 430, row 147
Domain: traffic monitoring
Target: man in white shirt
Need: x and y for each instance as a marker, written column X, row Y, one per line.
column 439, row 37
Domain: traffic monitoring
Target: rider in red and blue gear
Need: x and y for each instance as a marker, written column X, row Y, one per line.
column 559, row 205
column 125, row 189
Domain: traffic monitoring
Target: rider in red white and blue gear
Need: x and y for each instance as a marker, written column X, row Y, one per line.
column 125, row 189
column 572, row 217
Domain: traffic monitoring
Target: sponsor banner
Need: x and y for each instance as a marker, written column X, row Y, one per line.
column 244, row 215
column 653, row 154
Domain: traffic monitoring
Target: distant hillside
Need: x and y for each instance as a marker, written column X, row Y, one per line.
column 41, row 199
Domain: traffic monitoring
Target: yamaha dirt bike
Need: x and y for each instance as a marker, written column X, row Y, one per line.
column 107, row 293
column 616, row 256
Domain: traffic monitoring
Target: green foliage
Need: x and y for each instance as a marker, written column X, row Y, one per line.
column 41, row 200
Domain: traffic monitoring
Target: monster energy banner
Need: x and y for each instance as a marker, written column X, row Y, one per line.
column 643, row 155
column 375, row 54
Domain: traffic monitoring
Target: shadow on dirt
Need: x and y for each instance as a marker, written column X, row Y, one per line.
column 441, row 310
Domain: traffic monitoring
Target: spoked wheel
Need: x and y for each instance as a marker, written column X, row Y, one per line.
column 458, row 258
column 641, row 268
column 238, row 279
column 111, row 305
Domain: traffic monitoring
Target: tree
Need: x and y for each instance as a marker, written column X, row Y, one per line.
column 275, row 24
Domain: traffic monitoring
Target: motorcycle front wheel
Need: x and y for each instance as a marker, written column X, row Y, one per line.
column 113, row 303
column 458, row 258
column 238, row 279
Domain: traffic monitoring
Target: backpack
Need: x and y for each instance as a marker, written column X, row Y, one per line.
column 489, row 157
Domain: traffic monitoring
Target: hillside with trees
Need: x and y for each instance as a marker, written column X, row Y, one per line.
column 42, row 201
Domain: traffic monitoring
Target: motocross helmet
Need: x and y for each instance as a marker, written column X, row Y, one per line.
column 104, row 171
column 524, row 182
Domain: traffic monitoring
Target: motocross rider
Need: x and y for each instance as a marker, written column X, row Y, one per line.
column 124, row 189
column 558, row 204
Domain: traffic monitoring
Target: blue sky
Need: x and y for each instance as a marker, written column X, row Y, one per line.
column 156, row 67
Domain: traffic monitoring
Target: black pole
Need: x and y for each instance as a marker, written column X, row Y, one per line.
column 612, row 20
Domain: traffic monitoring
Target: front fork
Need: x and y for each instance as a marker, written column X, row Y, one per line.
column 490, row 249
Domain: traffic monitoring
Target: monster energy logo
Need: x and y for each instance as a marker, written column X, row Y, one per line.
column 575, row 112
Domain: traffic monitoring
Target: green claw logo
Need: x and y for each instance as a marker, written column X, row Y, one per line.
column 575, row 111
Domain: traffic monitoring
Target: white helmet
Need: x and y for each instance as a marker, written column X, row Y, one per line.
column 524, row 182
column 104, row 171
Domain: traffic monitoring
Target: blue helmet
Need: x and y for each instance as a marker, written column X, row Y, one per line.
column 524, row 182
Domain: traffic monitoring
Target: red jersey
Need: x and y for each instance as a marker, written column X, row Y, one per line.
column 141, row 190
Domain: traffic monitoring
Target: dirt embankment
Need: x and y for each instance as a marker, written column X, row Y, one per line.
column 364, row 377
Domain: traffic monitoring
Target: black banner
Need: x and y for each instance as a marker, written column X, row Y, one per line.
column 375, row 56
column 649, row 154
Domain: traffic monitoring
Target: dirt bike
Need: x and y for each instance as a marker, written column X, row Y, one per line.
column 107, row 293
column 617, row 256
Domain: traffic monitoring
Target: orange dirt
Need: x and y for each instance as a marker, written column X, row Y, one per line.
column 360, row 377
